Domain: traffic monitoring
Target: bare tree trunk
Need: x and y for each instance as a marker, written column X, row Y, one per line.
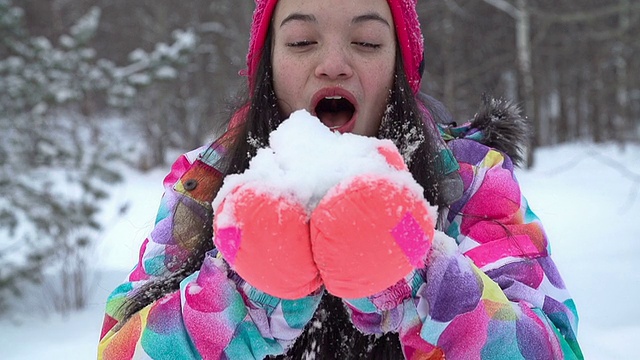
column 523, row 44
column 562, row 126
column 522, row 16
column 621, row 120
column 595, row 97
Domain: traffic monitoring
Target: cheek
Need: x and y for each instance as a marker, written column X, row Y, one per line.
column 280, row 84
column 285, row 83
column 378, row 76
column 387, row 75
column 382, row 82
column 278, row 73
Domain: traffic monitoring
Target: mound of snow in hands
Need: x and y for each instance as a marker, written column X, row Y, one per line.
column 305, row 160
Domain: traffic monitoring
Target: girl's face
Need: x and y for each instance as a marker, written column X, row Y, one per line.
column 336, row 59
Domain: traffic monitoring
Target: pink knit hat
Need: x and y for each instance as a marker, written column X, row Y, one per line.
column 405, row 19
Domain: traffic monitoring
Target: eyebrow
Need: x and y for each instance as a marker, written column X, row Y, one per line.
column 356, row 20
column 370, row 17
column 299, row 17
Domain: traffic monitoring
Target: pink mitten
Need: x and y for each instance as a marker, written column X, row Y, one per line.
column 370, row 231
column 265, row 239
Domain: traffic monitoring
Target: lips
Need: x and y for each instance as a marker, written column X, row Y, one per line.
column 336, row 108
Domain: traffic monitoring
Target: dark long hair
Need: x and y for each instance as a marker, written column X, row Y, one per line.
column 406, row 122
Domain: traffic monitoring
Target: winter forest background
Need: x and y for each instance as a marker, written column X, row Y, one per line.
column 93, row 90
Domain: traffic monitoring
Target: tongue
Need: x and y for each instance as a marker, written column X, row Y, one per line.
column 334, row 119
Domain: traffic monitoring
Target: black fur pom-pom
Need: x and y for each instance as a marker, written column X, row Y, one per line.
column 503, row 126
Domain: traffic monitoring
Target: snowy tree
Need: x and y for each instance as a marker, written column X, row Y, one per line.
column 56, row 164
column 183, row 113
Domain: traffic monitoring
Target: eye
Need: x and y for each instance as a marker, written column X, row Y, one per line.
column 368, row 45
column 302, row 43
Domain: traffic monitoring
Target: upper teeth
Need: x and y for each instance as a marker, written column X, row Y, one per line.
column 333, row 97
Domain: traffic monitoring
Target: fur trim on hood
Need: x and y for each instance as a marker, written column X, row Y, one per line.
column 502, row 126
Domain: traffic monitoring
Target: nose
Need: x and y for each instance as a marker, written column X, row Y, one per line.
column 334, row 63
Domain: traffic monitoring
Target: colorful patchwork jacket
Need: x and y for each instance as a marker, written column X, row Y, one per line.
column 489, row 290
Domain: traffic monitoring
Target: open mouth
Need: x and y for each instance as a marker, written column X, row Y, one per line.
column 335, row 111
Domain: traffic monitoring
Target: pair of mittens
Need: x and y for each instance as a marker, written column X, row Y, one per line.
column 357, row 233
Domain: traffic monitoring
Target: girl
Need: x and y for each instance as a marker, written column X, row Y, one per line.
column 487, row 289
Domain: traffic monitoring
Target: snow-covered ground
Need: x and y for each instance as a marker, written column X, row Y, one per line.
column 587, row 196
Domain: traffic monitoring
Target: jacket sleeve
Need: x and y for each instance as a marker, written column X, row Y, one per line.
column 215, row 314
column 489, row 289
